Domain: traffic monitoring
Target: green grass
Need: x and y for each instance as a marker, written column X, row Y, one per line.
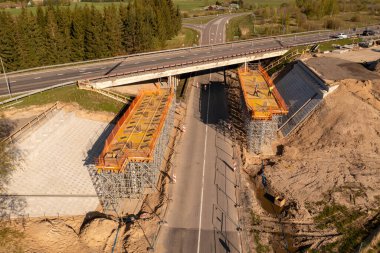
column 188, row 5
column 260, row 248
column 2, row 98
column 242, row 22
column 198, row 20
column 185, row 38
column 98, row 6
column 271, row 3
column 88, row 100
column 328, row 46
column 344, row 220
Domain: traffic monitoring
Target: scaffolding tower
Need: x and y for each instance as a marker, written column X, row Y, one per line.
column 133, row 153
column 263, row 108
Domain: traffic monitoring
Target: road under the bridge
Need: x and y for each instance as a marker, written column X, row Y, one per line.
column 202, row 216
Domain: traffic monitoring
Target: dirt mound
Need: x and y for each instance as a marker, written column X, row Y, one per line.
column 335, row 155
column 93, row 233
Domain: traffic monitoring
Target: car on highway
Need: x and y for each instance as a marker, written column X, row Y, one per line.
column 368, row 33
column 341, row 36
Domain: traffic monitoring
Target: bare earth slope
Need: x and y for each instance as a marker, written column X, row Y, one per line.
column 335, row 155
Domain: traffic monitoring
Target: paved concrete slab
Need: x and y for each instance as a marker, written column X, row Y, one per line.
column 53, row 178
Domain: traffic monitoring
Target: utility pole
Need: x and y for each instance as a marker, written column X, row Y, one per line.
column 5, row 76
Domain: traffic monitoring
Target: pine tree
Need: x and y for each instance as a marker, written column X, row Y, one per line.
column 8, row 49
column 112, row 31
column 77, row 35
column 30, row 40
column 94, row 46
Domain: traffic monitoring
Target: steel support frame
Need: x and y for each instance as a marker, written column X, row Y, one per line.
column 111, row 187
column 260, row 133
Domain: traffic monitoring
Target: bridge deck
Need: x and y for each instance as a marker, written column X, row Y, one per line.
column 134, row 137
column 262, row 105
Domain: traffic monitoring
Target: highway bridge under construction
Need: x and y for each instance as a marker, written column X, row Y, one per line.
column 132, row 155
column 133, row 152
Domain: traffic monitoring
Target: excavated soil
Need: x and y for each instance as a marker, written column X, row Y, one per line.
column 335, row 155
column 93, row 233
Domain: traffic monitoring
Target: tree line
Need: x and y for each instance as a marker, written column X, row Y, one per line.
column 60, row 34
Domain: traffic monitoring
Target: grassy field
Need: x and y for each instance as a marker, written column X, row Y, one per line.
column 88, row 100
column 72, row 5
column 199, row 20
column 246, row 27
column 188, row 5
column 186, row 38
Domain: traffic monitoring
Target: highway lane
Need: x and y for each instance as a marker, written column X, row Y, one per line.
column 202, row 216
column 30, row 81
column 41, row 79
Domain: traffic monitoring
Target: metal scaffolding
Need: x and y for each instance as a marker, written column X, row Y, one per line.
column 136, row 174
column 263, row 108
column 260, row 133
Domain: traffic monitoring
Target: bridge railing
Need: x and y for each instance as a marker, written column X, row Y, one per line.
column 189, row 63
column 276, row 94
column 123, row 57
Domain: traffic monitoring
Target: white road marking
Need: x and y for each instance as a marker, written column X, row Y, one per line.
column 203, row 176
column 167, row 58
column 103, row 68
column 86, row 73
column 81, row 71
column 37, row 78
column 60, row 74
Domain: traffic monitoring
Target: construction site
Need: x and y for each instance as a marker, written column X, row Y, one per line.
column 304, row 139
column 132, row 155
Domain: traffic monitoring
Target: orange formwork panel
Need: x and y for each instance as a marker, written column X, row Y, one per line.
column 262, row 105
column 134, row 137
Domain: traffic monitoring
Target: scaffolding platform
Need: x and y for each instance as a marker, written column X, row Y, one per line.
column 134, row 137
column 263, row 110
column 262, row 105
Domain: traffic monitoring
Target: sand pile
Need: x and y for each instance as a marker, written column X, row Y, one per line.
column 335, row 155
column 94, row 233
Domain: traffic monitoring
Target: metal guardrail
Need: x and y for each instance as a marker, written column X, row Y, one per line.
column 123, row 57
column 164, row 67
column 30, row 124
column 190, row 63
column 349, row 31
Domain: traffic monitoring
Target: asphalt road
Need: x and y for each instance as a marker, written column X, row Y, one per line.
column 202, row 216
column 213, row 32
column 35, row 80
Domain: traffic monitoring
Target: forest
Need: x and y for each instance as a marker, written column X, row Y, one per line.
column 60, row 34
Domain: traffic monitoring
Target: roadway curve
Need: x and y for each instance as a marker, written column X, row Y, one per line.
column 214, row 31
column 29, row 81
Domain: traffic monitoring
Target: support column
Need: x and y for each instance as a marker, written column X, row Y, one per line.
column 170, row 81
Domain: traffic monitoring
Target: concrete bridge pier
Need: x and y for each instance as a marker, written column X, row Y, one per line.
column 173, row 81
